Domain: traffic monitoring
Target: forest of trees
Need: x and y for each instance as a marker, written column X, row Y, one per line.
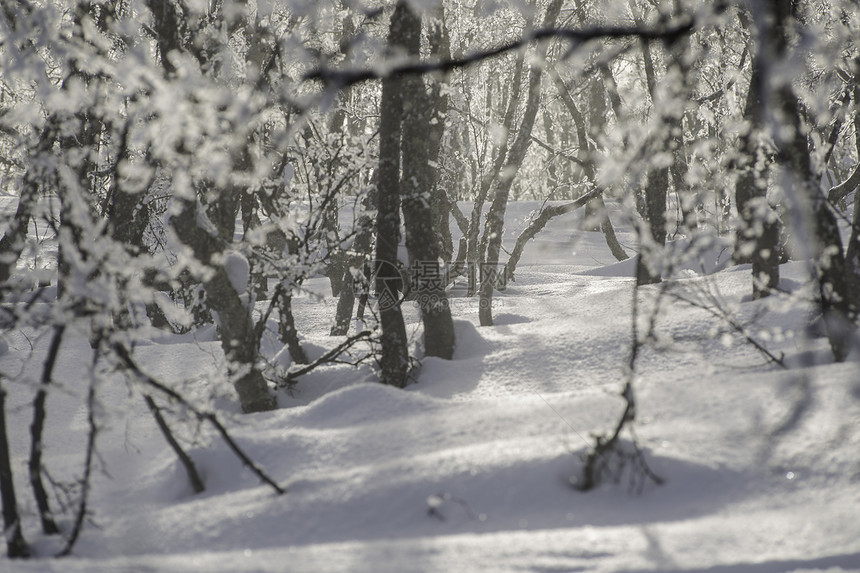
column 178, row 163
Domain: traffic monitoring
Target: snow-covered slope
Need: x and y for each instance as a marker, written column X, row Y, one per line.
column 470, row 468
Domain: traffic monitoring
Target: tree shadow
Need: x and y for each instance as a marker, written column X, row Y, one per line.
column 846, row 561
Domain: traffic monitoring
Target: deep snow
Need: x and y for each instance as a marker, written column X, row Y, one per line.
column 469, row 468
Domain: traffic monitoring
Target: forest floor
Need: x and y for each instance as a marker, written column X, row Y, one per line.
column 472, row 467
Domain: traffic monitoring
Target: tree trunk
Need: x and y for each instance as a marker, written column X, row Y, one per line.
column 238, row 336
column 287, row 331
column 128, row 217
column 345, row 305
column 417, row 185
column 818, row 222
column 648, row 266
column 250, row 221
column 16, row 546
column 440, row 46
column 536, row 226
column 475, row 250
column 757, row 234
column 394, row 361
column 354, row 272
column 49, row 526
column 184, row 458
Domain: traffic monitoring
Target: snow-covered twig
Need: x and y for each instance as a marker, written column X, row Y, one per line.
column 713, row 306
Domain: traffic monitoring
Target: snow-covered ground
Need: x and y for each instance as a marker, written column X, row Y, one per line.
column 470, row 468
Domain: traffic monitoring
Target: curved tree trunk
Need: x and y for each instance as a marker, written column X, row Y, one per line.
column 595, row 209
column 49, row 526
column 535, row 227
column 494, row 227
column 238, row 336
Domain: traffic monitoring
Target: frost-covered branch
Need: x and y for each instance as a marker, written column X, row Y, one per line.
column 345, row 78
column 713, row 306
column 536, row 226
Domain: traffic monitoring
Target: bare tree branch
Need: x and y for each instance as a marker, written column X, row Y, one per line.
column 327, row 357
column 184, row 458
column 83, row 501
column 125, row 357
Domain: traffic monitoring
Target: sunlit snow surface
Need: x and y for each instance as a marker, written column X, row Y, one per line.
column 469, row 469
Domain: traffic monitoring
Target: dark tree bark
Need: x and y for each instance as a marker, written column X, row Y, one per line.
column 16, row 545
column 250, row 221
column 345, row 305
column 651, row 246
column 337, row 267
column 537, row 225
column 417, row 185
column 656, row 191
column 49, row 526
column 440, row 46
column 287, row 331
column 394, row 361
column 128, row 216
column 817, row 221
column 184, row 458
column 356, row 259
column 757, row 234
